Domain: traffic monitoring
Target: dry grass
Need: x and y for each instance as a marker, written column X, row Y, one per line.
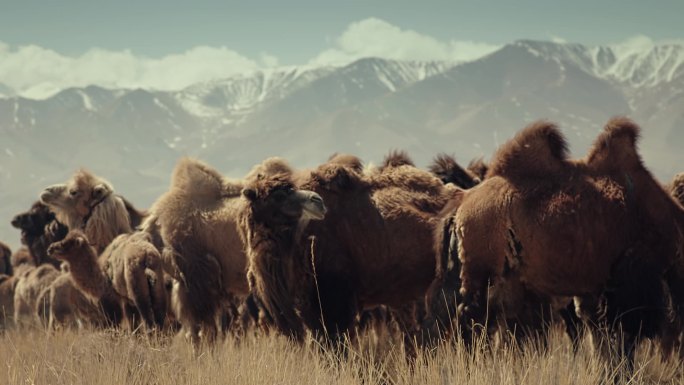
column 109, row 357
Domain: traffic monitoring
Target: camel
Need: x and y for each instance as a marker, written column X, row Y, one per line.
column 317, row 265
column 448, row 170
column 21, row 260
column 28, row 288
column 88, row 202
column 88, row 275
column 195, row 224
column 133, row 265
column 543, row 229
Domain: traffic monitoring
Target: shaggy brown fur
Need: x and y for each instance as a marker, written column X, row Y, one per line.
column 39, row 229
column 28, row 288
column 63, row 305
column 599, row 229
column 5, row 256
column 448, row 170
column 478, row 167
column 373, row 247
column 7, row 286
column 396, row 158
column 676, row 188
column 87, row 274
column 22, row 260
column 195, row 221
column 136, row 216
column 350, row 161
column 88, row 202
column 133, row 265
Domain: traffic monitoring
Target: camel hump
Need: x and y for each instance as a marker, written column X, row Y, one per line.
column 616, row 146
column 539, row 150
column 351, row 161
column 396, row 158
column 335, row 177
column 196, row 177
column 446, row 168
column 269, row 167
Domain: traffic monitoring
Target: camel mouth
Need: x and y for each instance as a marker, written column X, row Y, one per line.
column 313, row 206
column 51, row 193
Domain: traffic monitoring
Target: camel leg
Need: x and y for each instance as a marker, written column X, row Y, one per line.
column 139, row 291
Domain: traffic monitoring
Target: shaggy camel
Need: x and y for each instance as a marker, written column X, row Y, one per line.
column 88, row 202
column 448, row 170
column 195, row 223
column 133, row 265
column 600, row 230
column 88, row 275
column 320, row 264
column 30, row 284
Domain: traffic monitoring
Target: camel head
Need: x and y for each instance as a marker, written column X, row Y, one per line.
column 70, row 246
column 32, row 222
column 275, row 200
column 73, row 201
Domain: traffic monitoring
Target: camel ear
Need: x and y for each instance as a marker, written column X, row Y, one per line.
column 250, row 194
column 100, row 191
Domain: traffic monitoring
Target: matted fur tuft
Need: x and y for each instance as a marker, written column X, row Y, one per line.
column 396, row 158
column 446, row 168
column 539, row 150
column 478, row 167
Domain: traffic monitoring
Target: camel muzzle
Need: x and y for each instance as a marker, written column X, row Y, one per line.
column 51, row 193
column 313, row 205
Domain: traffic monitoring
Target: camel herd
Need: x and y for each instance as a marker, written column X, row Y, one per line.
column 534, row 236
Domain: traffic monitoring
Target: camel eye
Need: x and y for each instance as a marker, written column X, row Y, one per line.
column 73, row 193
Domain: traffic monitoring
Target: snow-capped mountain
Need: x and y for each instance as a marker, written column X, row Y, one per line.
column 134, row 137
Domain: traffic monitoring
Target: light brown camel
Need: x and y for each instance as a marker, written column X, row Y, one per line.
column 88, row 203
column 600, row 229
column 318, row 264
column 88, row 275
column 133, row 265
column 195, row 223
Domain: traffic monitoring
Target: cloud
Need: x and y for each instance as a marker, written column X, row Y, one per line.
column 378, row 38
column 37, row 72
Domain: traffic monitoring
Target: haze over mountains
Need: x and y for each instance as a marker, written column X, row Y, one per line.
column 134, row 137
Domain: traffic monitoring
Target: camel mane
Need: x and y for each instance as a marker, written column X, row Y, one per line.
column 539, row 150
column 616, row 146
column 108, row 219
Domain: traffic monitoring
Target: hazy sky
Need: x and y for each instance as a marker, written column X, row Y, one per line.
column 168, row 44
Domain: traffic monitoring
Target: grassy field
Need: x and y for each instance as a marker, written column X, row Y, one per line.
column 110, row 357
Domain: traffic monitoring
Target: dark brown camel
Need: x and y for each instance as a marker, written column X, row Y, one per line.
column 319, row 267
column 600, row 230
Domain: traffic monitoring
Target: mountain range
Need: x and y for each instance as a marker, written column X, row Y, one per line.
column 133, row 137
